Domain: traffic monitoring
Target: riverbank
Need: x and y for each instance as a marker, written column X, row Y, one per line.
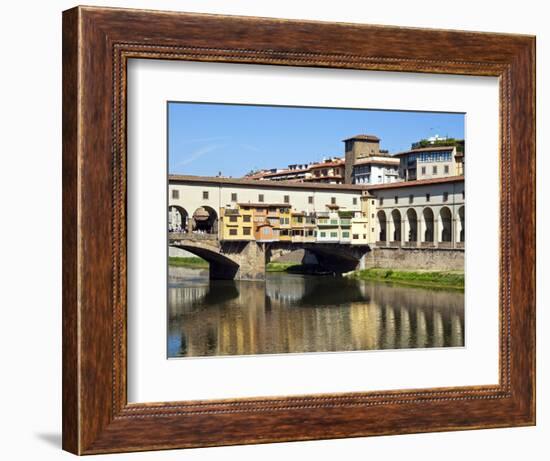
column 443, row 280
column 199, row 263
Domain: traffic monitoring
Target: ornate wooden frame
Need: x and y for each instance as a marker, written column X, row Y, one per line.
column 97, row 43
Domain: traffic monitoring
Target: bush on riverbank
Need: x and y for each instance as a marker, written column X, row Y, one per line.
column 427, row 279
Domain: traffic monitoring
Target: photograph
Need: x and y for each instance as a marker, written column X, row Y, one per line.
column 313, row 229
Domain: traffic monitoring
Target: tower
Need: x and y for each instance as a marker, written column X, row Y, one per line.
column 358, row 147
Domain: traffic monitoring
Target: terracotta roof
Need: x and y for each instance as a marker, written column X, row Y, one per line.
column 215, row 180
column 364, row 137
column 316, row 166
column 425, row 149
column 418, row 182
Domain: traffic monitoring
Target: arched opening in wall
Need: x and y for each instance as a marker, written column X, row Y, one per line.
column 412, row 224
column 178, row 219
column 382, row 226
column 396, row 221
column 428, row 216
column 462, row 228
column 445, row 222
column 205, row 220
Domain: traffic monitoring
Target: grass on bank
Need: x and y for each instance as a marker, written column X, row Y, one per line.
column 427, row 279
column 195, row 262
column 199, row 263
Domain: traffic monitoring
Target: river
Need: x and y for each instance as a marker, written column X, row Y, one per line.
column 292, row 313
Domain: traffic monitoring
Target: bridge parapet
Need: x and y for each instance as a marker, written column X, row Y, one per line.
column 192, row 236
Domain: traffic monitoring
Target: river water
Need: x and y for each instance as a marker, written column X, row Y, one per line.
column 299, row 313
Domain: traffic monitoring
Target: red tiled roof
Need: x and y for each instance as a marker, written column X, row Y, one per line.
column 425, row 149
column 364, row 137
column 214, row 180
column 418, row 182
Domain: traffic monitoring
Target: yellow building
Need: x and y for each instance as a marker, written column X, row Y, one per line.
column 284, row 223
column 362, row 223
column 236, row 223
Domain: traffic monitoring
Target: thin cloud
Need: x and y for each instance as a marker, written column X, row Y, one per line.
column 250, row 147
column 197, row 154
column 211, row 139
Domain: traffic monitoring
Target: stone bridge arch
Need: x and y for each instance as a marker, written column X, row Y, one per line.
column 220, row 266
column 226, row 260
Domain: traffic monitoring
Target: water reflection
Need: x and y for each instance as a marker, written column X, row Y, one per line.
column 295, row 313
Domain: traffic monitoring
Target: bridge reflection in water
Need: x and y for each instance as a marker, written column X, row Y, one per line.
column 295, row 313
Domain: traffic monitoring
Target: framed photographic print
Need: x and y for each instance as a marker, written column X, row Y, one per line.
column 271, row 231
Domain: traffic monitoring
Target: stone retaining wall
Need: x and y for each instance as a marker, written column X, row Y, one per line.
column 415, row 259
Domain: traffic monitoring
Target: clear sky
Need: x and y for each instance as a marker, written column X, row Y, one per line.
column 206, row 139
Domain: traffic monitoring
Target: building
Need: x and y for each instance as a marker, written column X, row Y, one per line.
column 303, row 226
column 425, row 213
column 430, row 162
column 330, row 171
column 237, row 224
column 375, row 170
column 363, row 222
column 366, row 163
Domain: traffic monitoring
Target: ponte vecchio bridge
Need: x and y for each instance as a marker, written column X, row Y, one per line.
column 246, row 260
column 239, row 225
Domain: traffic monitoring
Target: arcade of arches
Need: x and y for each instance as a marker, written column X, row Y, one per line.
column 429, row 227
column 203, row 220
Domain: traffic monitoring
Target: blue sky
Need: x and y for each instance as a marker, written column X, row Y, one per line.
column 205, row 139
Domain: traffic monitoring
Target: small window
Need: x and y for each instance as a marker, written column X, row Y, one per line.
column 287, row 198
column 434, row 169
column 396, row 199
column 233, row 196
column 445, row 196
column 261, row 198
column 446, row 169
column 345, row 235
column 175, row 194
column 427, row 197
column 355, row 200
column 463, row 195
column 246, row 230
column 310, row 199
column 333, row 200
column 334, row 234
column 232, row 231
column 233, row 218
column 423, row 170
column 205, row 194
column 246, row 218
column 372, row 202
column 411, row 198
column 381, row 201
column 355, row 236
column 266, row 231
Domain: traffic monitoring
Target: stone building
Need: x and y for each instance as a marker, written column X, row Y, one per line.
column 366, row 163
column 424, row 213
column 430, row 162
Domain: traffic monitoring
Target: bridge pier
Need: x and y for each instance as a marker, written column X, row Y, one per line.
column 250, row 257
